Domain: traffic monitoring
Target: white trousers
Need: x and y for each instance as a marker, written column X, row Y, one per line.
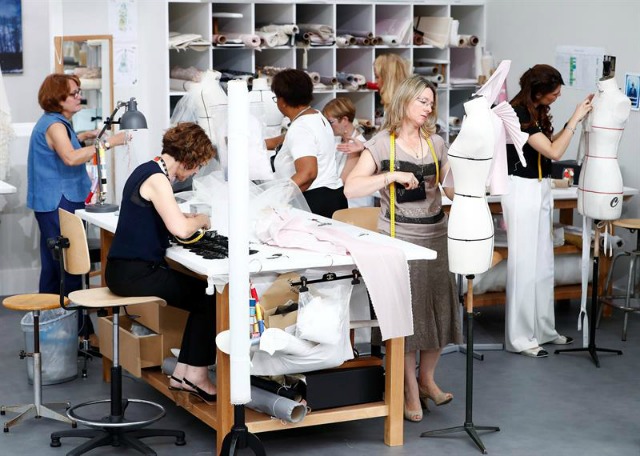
column 527, row 209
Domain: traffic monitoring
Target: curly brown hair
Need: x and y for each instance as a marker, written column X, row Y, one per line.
column 188, row 143
column 537, row 82
column 54, row 90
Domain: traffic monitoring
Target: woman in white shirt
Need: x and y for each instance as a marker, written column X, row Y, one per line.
column 341, row 113
column 307, row 152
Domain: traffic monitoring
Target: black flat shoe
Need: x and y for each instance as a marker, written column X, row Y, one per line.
column 176, row 388
column 208, row 398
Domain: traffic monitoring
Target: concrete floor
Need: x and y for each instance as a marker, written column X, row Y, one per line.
column 561, row 405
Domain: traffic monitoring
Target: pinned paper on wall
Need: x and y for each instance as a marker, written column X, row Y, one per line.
column 123, row 25
column 123, row 20
column 580, row 66
column 125, row 64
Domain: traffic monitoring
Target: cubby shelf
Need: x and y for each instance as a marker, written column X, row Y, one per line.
column 203, row 17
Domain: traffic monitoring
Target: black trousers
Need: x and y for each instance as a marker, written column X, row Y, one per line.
column 142, row 278
column 325, row 201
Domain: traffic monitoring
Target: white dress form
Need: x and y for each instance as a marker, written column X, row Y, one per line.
column 470, row 232
column 600, row 185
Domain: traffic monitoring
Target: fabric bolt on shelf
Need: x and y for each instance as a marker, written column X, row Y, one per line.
column 389, row 40
column 436, row 30
column 467, row 41
column 188, row 74
column 248, row 39
column 355, row 33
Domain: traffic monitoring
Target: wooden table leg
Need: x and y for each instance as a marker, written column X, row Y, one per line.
column 394, row 392
column 224, row 410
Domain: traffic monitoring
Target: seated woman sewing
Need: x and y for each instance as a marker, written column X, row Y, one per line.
column 136, row 265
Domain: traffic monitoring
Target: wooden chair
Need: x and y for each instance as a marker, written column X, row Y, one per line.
column 367, row 218
column 34, row 303
column 114, row 429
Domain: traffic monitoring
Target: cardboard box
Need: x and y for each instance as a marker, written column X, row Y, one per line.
column 342, row 387
column 276, row 295
column 139, row 352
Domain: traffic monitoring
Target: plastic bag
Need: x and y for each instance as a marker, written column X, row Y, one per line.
column 319, row 315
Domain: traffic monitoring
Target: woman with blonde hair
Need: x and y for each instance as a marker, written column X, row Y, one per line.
column 341, row 114
column 419, row 165
column 389, row 70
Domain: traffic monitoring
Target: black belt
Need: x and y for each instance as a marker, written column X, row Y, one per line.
column 429, row 220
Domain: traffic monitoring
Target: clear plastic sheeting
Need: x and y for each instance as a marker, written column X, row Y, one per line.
column 58, row 345
column 213, row 190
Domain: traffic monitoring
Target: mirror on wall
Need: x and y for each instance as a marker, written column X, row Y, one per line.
column 90, row 57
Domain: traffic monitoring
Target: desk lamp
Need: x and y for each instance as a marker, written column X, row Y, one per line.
column 132, row 119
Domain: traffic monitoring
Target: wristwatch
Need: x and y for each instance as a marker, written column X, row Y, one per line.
column 107, row 145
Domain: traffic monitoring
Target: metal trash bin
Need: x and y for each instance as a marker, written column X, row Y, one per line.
column 58, row 345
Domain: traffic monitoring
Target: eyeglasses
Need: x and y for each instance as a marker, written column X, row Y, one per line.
column 425, row 102
column 76, row 93
column 275, row 99
column 332, row 121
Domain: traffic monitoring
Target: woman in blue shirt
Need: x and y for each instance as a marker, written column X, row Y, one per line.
column 56, row 172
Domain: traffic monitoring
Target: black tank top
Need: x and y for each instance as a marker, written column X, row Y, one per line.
column 141, row 234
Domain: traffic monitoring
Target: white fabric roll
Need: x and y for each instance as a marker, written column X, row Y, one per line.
column 238, row 112
column 437, row 78
column 390, row 40
column 249, row 40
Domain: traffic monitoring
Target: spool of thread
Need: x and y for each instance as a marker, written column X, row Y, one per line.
column 418, row 40
column 372, row 85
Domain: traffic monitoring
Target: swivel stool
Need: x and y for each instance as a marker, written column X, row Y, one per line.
column 114, row 429
column 630, row 301
column 34, row 303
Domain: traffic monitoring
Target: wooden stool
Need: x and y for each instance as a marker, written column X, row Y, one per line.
column 34, row 303
column 628, row 302
column 114, row 429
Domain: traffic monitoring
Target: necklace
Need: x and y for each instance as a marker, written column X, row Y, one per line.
column 300, row 113
column 163, row 166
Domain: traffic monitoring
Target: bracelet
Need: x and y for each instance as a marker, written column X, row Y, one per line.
column 572, row 130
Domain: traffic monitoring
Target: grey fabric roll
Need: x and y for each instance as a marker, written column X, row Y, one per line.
column 262, row 401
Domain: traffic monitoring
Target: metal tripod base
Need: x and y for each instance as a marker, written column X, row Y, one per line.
column 468, row 425
column 239, row 436
column 593, row 314
column 469, row 428
column 593, row 351
column 27, row 411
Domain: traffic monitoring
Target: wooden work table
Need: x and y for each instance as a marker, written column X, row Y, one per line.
column 220, row 415
column 565, row 200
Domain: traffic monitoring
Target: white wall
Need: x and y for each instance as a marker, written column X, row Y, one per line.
column 42, row 20
column 528, row 31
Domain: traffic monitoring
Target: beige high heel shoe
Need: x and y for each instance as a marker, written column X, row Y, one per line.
column 439, row 399
column 415, row 416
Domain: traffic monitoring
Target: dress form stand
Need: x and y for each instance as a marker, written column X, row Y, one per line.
column 600, row 188
column 468, row 426
column 591, row 348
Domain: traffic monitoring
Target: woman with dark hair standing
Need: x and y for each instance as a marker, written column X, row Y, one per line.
column 56, row 172
column 307, row 153
column 527, row 208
